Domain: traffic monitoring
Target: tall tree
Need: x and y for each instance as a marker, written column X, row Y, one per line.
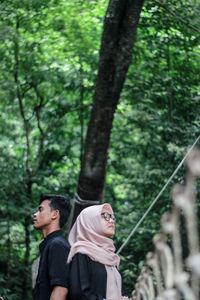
column 120, row 25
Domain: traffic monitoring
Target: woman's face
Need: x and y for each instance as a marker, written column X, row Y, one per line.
column 107, row 221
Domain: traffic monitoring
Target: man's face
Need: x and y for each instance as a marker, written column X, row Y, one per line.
column 43, row 217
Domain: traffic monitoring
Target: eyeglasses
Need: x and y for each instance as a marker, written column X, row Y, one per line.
column 108, row 216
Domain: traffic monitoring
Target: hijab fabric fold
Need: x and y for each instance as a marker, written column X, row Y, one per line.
column 86, row 237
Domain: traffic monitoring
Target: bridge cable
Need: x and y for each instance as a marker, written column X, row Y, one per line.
column 157, row 197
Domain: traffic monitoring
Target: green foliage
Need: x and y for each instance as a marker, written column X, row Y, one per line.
column 49, row 56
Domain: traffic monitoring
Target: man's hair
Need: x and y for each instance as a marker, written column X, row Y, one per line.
column 60, row 203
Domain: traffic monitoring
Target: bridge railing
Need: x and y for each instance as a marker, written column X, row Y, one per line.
column 172, row 270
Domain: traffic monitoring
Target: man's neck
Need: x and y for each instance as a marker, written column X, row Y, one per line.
column 47, row 231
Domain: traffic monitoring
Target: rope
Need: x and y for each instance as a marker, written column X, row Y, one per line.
column 80, row 201
column 157, row 197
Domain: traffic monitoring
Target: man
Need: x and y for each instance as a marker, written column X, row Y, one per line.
column 52, row 277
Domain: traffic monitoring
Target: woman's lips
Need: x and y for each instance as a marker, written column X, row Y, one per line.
column 111, row 226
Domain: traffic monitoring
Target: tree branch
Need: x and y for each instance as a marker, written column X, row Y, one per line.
column 19, row 96
column 51, row 127
column 63, row 113
column 177, row 17
column 42, row 137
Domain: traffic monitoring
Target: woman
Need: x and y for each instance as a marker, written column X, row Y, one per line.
column 93, row 262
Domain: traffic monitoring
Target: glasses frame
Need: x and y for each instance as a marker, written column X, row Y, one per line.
column 108, row 216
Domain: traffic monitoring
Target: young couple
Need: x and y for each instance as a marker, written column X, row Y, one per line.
column 85, row 268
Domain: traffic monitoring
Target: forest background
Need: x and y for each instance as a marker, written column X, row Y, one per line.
column 49, row 54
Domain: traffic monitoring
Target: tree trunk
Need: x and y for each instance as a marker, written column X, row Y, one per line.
column 8, row 248
column 27, row 222
column 118, row 37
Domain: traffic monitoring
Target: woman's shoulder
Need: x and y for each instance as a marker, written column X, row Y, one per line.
column 82, row 257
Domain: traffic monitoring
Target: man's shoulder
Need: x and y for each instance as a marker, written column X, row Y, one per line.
column 59, row 240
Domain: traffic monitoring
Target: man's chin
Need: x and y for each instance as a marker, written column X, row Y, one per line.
column 36, row 226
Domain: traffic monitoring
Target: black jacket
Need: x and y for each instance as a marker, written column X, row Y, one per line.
column 87, row 279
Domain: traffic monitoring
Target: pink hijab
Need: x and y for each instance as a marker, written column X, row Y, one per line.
column 86, row 237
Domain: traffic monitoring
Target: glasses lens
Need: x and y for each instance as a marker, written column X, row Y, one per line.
column 108, row 216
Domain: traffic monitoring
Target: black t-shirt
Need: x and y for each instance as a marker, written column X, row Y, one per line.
column 87, row 279
column 53, row 268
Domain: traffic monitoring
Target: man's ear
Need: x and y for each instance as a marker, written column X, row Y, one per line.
column 55, row 214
